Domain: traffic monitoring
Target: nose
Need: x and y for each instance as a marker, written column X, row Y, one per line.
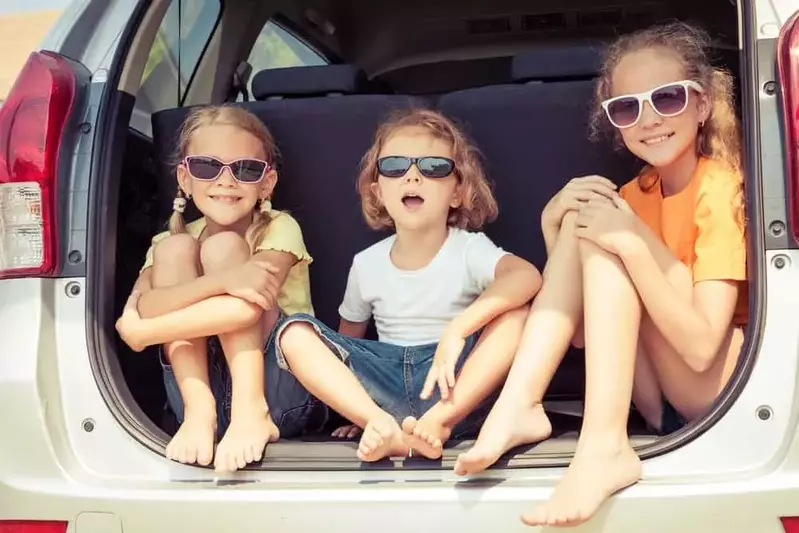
column 226, row 178
column 649, row 117
column 413, row 174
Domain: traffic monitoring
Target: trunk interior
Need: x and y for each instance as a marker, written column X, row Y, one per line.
column 519, row 79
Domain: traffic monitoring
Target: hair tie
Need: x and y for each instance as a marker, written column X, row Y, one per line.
column 179, row 204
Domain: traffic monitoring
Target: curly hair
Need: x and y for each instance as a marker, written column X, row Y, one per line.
column 720, row 137
column 478, row 204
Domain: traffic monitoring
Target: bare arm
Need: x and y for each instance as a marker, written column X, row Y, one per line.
column 352, row 329
column 212, row 316
column 515, row 283
column 695, row 329
column 157, row 302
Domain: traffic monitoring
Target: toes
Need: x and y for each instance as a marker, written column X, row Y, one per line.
column 241, row 461
column 408, row 425
column 205, row 454
column 537, row 517
column 248, row 455
column 257, row 452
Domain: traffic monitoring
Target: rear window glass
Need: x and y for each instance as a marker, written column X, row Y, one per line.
column 182, row 37
column 277, row 47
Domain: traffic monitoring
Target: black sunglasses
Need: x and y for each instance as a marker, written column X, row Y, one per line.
column 208, row 168
column 396, row 166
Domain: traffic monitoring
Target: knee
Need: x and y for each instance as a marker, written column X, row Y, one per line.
column 222, row 251
column 292, row 336
column 179, row 250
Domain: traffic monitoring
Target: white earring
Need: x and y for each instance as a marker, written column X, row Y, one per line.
column 266, row 206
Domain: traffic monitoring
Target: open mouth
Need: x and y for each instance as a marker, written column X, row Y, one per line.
column 657, row 140
column 412, row 201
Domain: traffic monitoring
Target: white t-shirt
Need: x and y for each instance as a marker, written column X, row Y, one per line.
column 412, row 307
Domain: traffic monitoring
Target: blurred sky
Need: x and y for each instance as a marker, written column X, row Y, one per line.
column 14, row 6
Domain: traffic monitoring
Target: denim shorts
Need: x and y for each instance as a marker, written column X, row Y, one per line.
column 670, row 419
column 293, row 409
column 392, row 375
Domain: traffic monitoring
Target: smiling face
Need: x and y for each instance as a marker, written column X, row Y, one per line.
column 414, row 201
column 225, row 201
column 658, row 140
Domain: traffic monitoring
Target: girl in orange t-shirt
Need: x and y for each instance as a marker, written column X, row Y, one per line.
column 656, row 273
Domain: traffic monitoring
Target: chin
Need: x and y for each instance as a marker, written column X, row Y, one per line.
column 226, row 220
column 661, row 156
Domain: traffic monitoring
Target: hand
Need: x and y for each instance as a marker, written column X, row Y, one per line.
column 129, row 325
column 610, row 224
column 573, row 196
column 443, row 370
column 254, row 281
column 347, row 432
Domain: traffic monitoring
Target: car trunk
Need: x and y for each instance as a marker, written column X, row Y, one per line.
column 527, row 111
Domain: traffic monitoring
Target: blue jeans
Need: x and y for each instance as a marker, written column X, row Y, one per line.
column 392, row 375
column 293, row 409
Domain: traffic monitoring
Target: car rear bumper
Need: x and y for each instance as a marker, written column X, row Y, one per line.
column 742, row 506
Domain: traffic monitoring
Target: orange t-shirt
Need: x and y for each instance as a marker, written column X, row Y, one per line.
column 700, row 224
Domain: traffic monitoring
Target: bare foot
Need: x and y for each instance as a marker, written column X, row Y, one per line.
column 595, row 474
column 347, row 432
column 194, row 440
column 381, row 438
column 251, row 429
column 425, row 436
column 508, row 425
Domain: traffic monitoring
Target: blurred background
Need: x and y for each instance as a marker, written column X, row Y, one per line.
column 23, row 24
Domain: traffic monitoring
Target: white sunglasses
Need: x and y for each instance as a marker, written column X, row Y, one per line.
column 667, row 100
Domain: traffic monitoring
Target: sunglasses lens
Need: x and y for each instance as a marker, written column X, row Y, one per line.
column 393, row 166
column 670, row 100
column 203, row 168
column 249, row 170
column 435, row 167
column 624, row 111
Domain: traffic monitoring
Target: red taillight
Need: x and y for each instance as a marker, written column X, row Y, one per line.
column 32, row 526
column 31, row 123
column 790, row 524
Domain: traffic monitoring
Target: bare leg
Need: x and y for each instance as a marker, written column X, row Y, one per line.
column 251, row 426
column 664, row 372
column 327, row 378
column 518, row 416
column 176, row 261
column 605, row 462
column 483, row 372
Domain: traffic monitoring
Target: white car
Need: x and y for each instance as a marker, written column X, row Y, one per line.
column 85, row 135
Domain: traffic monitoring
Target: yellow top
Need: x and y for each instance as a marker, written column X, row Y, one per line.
column 283, row 234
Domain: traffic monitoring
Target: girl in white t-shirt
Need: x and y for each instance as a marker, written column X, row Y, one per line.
column 446, row 302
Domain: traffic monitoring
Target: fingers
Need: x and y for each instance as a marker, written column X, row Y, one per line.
column 256, row 298
column 266, row 265
column 450, row 373
column 443, row 386
column 133, row 301
column 346, row 432
column 593, row 179
column 622, row 204
column 429, row 383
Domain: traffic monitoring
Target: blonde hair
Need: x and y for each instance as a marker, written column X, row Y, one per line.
column 225, row 114
column 477, row 200
column 720, row 136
